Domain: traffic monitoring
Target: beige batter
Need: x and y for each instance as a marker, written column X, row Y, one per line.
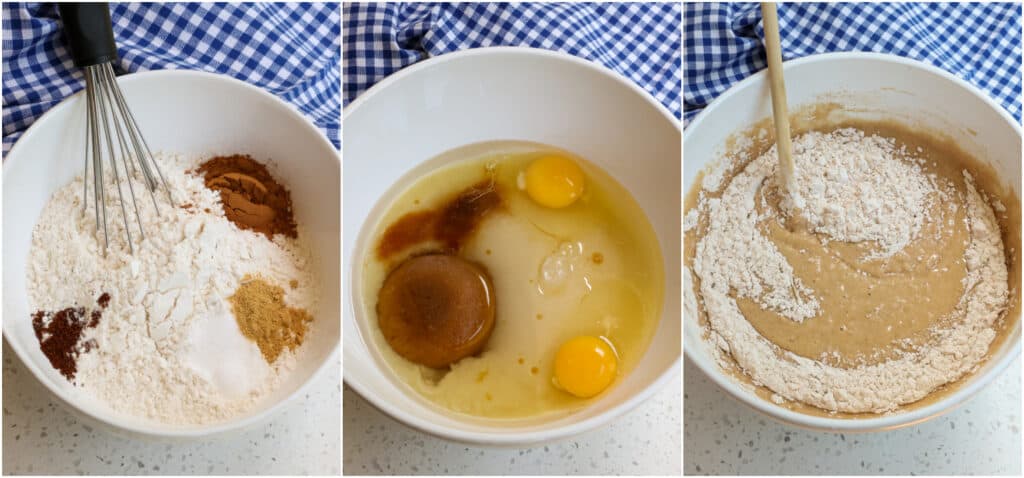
column 866, row 315
column 859, row 298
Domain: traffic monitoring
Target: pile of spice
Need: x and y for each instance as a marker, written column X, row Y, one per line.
column 264, row 317
column 197, row 327
column 251, row 197
column 60, row 334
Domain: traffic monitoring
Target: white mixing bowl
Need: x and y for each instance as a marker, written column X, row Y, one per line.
column 878, row 86
column 185, row 112
column 508, row 94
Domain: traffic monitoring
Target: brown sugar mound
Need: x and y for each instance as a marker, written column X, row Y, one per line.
column 251, row 197
column 436, row 309
column 264, row 318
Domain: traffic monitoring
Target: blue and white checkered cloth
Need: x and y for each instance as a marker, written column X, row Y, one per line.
column 980, row 43
column 639, row 41
column 289, row 49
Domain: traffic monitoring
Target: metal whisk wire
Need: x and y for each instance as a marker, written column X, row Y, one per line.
column 111, row 127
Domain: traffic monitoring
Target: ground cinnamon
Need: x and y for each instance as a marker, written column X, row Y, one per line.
column 251, row 197
column 264, row 318
column 59, row 334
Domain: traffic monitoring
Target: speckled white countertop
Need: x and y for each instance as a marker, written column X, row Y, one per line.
column 723, row 436
column 42, row 437
column 644, row 441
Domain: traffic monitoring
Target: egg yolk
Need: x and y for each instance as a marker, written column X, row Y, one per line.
column 585, row 366
column 554, row 181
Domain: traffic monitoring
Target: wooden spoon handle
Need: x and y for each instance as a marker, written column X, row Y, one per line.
column 773, row 51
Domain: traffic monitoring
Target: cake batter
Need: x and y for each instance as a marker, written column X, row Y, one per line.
column 890, row 281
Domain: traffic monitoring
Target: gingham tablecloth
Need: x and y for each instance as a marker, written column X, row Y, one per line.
column 981, row 43
column 288, row 49
column 639, row 41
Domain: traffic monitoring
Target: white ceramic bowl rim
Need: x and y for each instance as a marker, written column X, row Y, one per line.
column 193, row 432
column 918, row 415
column 514, row 438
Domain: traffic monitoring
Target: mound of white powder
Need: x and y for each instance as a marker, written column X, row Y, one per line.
column 854, row 187
column 168, row 348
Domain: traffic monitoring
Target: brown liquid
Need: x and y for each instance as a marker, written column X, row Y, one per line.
column 451, row 224
column 852, row 327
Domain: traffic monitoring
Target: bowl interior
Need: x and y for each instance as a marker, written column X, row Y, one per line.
column 867, row 86
column 190, row 113
column 507, row 94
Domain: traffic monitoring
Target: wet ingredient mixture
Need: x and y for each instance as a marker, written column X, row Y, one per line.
column 882, row 279
column 512, row 284
column 204, row 321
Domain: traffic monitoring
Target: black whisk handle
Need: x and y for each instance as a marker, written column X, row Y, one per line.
column 89, row 32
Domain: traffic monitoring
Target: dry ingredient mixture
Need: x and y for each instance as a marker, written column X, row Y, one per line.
column 169, row 347
column 878, row 281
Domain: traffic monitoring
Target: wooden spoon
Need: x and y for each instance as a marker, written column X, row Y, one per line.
column 780, row 111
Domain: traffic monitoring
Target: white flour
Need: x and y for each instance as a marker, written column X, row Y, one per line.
column 857, row 188
column 734, row 258
column 168, row 348
column 734, row 254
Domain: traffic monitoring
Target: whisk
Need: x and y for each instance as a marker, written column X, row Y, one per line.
column 110, row 124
